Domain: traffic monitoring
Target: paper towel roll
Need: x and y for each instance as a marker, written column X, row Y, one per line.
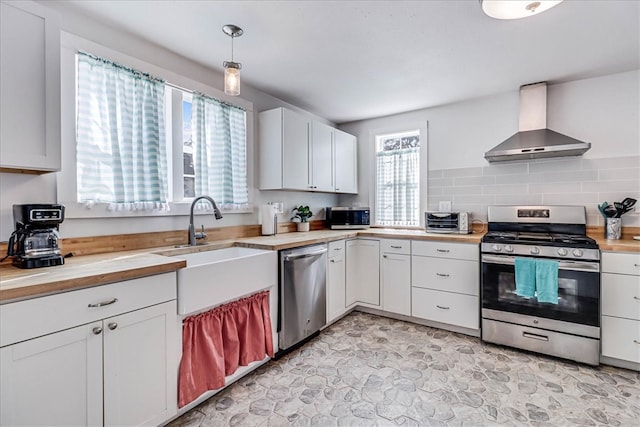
column 268, row 219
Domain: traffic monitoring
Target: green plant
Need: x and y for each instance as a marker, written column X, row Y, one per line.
column 303, row 213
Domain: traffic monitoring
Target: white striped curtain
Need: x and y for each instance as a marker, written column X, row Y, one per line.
column 219, row 145
column 120, row 136
column 398, row 187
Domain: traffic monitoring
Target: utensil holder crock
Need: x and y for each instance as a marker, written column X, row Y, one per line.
column 613, row 228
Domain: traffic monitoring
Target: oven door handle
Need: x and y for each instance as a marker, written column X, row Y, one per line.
column 562, row 264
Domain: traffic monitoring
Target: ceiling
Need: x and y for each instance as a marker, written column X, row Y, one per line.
column 352, row 60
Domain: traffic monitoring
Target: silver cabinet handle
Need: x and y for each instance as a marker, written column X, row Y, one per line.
column 636, row 265
column 97, row 330
column 396, row 247
column 444, row 251
column 384, row 256
column 535, row 336
column 442, row 307
column 103, row 303
column 442, row 275
column 636, row 298
column 332, row 260
column 636, row 341
column 337, row 249
column 112, row 325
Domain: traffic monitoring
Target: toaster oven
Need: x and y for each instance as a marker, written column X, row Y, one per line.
column 447, row 222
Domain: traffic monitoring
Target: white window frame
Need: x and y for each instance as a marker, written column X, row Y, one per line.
column 374, row 135
column 67, row 179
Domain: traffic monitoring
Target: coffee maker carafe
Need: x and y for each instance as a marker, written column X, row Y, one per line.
column 34, row 243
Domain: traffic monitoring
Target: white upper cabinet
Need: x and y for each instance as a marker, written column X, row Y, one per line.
column 345, row 164
column 29, row 88
column 321, row 157
column 299, row 154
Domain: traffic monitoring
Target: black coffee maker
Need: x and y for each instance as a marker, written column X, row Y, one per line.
column 34, row 243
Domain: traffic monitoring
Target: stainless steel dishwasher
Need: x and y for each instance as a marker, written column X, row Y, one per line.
column 303, row 282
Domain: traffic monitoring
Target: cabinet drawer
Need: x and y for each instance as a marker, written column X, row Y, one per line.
column 445, row 307
column 450, row 275
column 623, row 263
column 28, row 319
column 621, row 296
column 466, row 251
column 395, row 246
column 336, row 248
column 621, row 338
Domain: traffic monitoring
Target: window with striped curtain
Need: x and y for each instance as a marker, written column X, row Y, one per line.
column 121, row 150
column 398, row 179
column 218, row 133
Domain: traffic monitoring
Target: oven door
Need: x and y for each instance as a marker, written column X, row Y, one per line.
column 578, row 291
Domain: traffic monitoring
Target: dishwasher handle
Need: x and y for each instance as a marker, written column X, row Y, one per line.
column 309, row 254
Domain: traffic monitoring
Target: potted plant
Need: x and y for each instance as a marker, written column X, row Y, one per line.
column 302, row 213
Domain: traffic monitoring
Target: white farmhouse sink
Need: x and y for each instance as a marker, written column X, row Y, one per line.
column 214, row 277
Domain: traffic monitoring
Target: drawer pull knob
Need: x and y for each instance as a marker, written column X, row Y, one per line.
column 97, row 330
column 103, row 303
column 442, row 275
column 442, row 307
column 396, row 247
column 112, row 325
column 535, row 336
column 332, row 260
column 444, row 251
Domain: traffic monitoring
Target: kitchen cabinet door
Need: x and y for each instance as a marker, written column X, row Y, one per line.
column 363, row 271
column 53, row 380
column 321, row 157
column 295, row 151
column 336, row 281
column 345, row 165
column 29, row 88
column 140, row 375
column 395, row 282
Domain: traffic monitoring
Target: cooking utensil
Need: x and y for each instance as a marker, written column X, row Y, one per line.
column 610, row 211
column 628, row 202
column 619, row 209
column 601, row 209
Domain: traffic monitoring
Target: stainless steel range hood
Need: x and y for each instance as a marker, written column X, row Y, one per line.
column 534, row 140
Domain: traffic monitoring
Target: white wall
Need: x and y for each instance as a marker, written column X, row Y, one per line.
column 604, row 111
column 20, row 188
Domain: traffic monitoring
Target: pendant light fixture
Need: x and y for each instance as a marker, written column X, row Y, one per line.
column 516, row 9
column 232, row 69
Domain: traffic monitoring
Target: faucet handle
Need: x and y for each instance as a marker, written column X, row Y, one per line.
column 201, row 234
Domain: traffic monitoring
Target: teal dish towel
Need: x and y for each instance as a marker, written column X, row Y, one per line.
column 525, row 277
column 547, row 281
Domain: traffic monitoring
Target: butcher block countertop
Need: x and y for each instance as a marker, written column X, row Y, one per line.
column 100, row 269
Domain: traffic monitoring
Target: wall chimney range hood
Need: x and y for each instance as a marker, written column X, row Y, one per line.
column 534, row 140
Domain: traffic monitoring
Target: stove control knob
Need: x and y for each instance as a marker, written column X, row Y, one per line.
column 535, row 250
column 562, row 252
column 496, row 248
column 577, row 253
column 508, row 248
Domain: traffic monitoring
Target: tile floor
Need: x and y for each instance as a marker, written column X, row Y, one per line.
column 367, row 370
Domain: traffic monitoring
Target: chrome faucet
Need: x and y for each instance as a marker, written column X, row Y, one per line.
column 193, row 236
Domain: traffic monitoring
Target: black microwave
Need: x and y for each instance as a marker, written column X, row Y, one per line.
column 346, row 218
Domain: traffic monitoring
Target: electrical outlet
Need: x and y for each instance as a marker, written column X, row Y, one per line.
column 444, row 206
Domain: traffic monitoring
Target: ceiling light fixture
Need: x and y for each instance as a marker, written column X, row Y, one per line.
column 516, row 9
column 232, row 69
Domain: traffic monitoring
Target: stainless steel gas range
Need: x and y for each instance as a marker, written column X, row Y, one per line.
column 521, row 242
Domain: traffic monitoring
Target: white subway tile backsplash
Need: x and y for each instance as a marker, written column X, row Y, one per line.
column 462, row 172
column 506, row 169
column 570, row 181
column 475, row 180
column 557, row 187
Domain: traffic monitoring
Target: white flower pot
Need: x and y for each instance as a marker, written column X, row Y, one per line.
column 303, row 226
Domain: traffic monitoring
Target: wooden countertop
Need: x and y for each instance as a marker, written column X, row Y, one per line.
column 82, row 272
column 94, row 270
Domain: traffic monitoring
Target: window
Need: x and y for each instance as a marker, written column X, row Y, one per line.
column 398, row 179
column 127, row 159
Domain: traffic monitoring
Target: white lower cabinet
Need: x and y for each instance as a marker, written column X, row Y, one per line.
column 119, row 369
column 445, row 283
column 363, row 272
column 620, row 334
column 395, row 276
column 336, row 280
